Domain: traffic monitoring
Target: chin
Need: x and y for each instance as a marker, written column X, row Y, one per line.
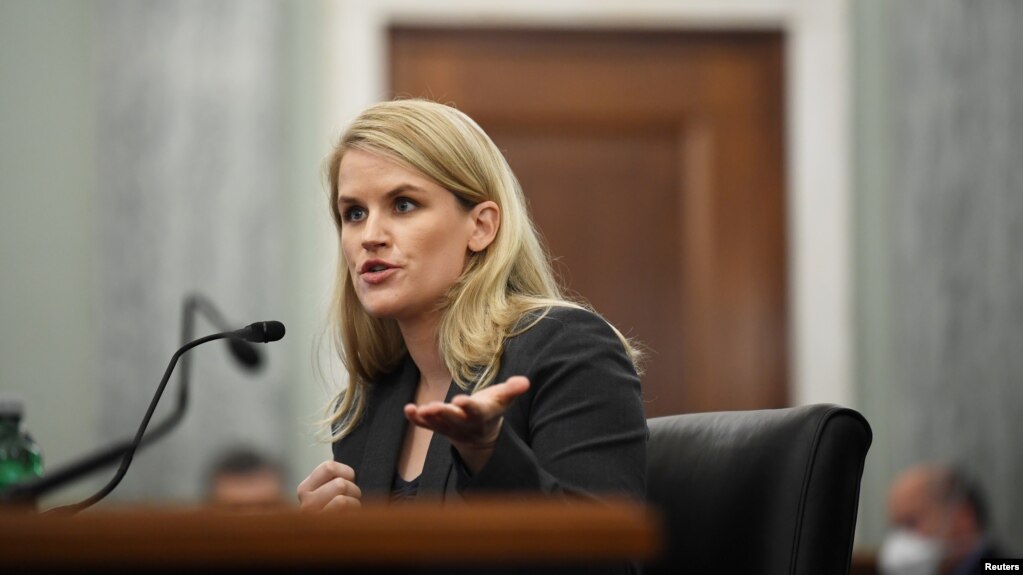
column 380, row 311
column 384, row 308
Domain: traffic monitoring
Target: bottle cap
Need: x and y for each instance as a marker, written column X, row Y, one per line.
column 11, row 405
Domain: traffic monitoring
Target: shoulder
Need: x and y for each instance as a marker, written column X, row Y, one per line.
column 560, row 319
column 563, row 348
column 566, row 328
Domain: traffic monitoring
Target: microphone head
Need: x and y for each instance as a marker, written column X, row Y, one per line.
column 262, row 331
column 245, row 354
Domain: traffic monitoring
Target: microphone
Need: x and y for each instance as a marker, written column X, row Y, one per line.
column 261, row 331
column 270, row 331
column 244, row 352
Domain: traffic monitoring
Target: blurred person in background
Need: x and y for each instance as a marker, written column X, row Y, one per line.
column 243, row 479
column 939, row 524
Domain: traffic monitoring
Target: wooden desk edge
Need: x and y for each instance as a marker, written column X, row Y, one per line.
column 504, row 531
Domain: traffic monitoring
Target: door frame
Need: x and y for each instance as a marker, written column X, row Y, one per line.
column 818, row 147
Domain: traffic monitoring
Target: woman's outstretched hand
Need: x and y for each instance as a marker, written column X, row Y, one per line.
column 471, row 422
column 330, row 487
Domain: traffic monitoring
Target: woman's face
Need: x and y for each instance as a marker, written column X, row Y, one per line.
column 405, row 238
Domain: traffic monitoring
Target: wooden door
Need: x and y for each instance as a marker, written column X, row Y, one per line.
column 653, row 164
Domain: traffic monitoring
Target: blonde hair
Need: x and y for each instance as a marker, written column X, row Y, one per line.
column 500, row 284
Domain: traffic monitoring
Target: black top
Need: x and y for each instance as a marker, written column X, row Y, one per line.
column 402, row 490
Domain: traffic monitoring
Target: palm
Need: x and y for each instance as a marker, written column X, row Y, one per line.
column 469, row 421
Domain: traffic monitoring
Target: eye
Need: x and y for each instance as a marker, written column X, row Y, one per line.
column 404, row 205
column 353, row 214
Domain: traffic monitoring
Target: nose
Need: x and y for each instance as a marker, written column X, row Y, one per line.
column 374, row 232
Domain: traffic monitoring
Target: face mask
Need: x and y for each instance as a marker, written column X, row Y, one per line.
column 907, row 553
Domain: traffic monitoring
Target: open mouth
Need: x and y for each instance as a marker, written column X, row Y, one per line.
column 375, row 266
column 375, row 272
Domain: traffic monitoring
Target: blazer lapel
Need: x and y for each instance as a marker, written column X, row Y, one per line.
column 439, row 463
column 387, row 430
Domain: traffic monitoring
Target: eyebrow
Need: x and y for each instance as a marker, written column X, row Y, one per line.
column 402, row 189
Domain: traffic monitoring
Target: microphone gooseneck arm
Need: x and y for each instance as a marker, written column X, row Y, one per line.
column 263, row 331
column 130, row 452
column 243, row 351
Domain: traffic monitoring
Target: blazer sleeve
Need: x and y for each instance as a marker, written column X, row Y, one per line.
column 580, row 430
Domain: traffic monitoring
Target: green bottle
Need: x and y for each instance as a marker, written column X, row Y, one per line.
column 20, row 459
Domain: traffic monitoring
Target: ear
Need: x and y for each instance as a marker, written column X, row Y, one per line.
column 486, row 220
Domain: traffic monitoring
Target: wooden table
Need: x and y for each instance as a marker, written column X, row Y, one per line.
column 400, row 537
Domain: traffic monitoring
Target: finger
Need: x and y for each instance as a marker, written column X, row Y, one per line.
column 325, row 472
column 415, row 416
column 411, row 412
column 439, row 407
column 505, row 392
column 330, row 469
column 345, row 487
column 471, row 406
column 452, row 417
column 316, row 499
column 444, row 425
column 443, row 410
column 341, row 503
column 310, row 501
column 492, row 402
column 439, row 423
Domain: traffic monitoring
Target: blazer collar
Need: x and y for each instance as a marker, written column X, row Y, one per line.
column 437, row 469
column 387, row 428
column 387, row 435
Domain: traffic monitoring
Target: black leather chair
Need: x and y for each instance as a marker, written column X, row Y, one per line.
column 767, row 492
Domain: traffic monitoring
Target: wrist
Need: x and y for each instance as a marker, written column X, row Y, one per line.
column 476, row 454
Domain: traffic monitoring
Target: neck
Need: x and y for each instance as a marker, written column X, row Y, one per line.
column 421, row 340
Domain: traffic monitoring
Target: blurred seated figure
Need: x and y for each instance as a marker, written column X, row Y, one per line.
column 244, row 480
column 938, row 522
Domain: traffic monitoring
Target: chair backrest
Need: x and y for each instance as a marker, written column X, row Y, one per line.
column 770, row 492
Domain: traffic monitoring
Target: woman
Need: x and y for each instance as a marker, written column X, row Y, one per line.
column 468, row 370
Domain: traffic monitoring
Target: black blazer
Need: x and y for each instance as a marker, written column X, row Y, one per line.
column 580, row 429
